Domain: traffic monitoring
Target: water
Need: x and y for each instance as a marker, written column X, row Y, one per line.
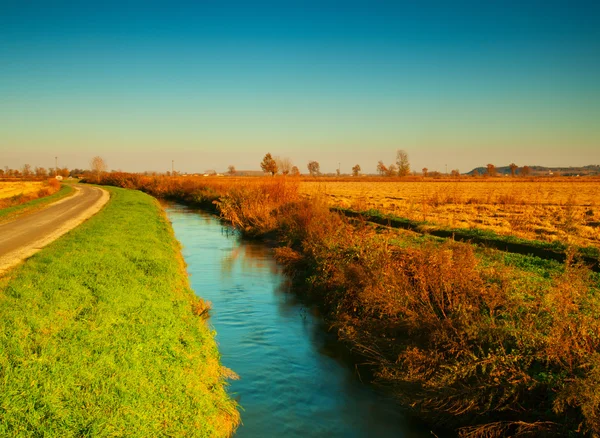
column 294, row 381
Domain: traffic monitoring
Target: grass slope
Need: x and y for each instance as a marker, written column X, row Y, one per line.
column 9, row 213
column 100, row 335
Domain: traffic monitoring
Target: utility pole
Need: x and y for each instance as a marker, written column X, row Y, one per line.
column 55, row 166
column 446, row 169
column 339, row 167
column 172, row 167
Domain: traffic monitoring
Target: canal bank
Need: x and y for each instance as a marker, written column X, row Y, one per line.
column 295, row 380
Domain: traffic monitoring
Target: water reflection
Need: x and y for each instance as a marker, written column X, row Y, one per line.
column 293, row 380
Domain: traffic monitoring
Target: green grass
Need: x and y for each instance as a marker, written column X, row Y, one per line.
column 9, row 213
column 485, row 237
column 100, row 335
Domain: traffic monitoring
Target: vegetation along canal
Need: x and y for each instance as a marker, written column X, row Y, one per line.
column 293, row 381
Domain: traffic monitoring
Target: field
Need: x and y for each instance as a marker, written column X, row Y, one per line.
column 102, row 336
column 544, row 210
column 9, row 189
column 14, row 194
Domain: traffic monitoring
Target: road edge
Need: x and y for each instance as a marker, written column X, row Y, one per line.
column 27, row 251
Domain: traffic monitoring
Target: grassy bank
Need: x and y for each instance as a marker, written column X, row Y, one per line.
column 487, row 343
column 100, row 335
column 556, row 250
column 26, row 204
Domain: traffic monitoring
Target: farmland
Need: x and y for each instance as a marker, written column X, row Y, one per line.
column 567, row 211
column 9, row 189
column 17, row 198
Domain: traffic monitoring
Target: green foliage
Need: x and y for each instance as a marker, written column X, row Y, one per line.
column 100, row 335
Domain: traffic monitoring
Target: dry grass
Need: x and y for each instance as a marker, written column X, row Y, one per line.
column 13, row 193
column 568, row 211
column 9, row 189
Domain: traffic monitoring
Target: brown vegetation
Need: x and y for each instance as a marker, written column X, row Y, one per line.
column 473, row 343
column 15, row 193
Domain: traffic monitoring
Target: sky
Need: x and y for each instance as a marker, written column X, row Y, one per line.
column 210, row 84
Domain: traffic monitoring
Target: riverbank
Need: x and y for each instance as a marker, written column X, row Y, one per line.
column 101, row 335
column 488, row 344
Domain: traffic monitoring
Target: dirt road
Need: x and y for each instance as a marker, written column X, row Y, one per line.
column 28, row 234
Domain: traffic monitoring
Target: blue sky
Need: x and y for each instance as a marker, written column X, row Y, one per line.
column 453, row 83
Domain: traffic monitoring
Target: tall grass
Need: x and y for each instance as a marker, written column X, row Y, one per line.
column 100, row 335
column 472, row 343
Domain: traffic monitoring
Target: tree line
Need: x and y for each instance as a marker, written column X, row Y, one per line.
column 274, row 165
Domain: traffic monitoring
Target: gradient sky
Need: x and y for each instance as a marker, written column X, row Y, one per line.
column 142, row 83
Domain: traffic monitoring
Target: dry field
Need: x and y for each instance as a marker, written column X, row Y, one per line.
column 545, row 210
column 15, row 188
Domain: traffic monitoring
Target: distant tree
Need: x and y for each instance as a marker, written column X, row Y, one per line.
column 391, row 170
column 284, row 165
column 98, row 165
column 475, row 173
column 491, row 170
column 381, row 168
column 295, row 171
column 41, row 172
column 269, row 165
column 26, row 171
column 425, row 170
column 513, row 168
column 64, row 172
column 435, row 174
column 16, row 173
column 1, row 173
column 314, row 168
column 402, row 163
column 455, row 173
column 526, row 171
column 231, row 170
column 356, row 170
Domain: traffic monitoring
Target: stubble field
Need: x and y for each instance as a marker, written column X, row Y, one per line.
column 9, row 189
column 568, row 211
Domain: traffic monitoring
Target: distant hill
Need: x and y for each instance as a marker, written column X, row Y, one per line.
column 592, row 169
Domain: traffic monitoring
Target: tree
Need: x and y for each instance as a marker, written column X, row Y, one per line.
column 98, row 165
column 475, row 173
column 284, row 165
column 295, row 171
column 314, row 168
column 356, row 170
column 526, row 171
column 64, row 172
column 491, row 170
column 455, row 173
column 402, row 163
column 269, row 165
column 513, row 168
column 391, row 170
column 231, row 170
column 381, row 168
column 26, row 171
column 425, row 170
column 41, row 172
